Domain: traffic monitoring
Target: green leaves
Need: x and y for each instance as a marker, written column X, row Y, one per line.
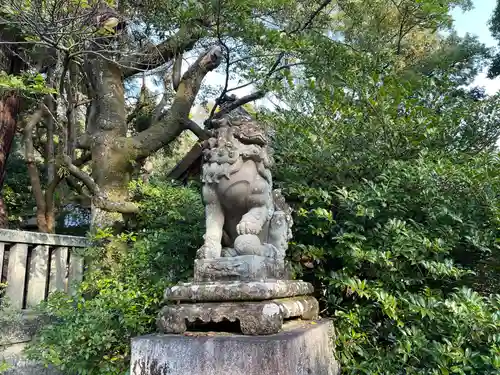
column 390, row 255
column 91, row 330
column 27, row 84
column 396, row 216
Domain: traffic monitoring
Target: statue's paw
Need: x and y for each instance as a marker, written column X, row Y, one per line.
column 248, row 227
column 207, row 252
column 201, row 253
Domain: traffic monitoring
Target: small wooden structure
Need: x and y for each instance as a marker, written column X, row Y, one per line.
column 190, row 165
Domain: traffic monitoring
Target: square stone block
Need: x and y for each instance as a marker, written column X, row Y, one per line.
column 243, row 267
column 302, row 348
column 237, row 290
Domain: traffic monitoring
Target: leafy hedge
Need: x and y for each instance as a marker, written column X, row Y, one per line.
column 121, row 295
column 396, row 190
column 396, row 257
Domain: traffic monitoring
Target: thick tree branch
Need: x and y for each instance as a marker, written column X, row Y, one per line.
column 102, row 202
column 73, row 184
column 155, row 56
column 81, row 175
column 164, row 131
column 196, row 129
column 83, row 141
column 99, row 199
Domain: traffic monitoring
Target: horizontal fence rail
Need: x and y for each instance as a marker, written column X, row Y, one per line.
column 36, row 264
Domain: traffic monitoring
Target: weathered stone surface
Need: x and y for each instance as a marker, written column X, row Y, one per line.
column 242, row 210
column 244, row 267
column 255, row 318
column 237, row 290
column 18, row 365
column 301, row 349
column 36, row 238
column 20, row 328
column 14, row 335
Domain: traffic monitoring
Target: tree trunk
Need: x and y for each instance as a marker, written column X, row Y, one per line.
column 111, row 164
column 10, row 103
column 33, row 173
column 9, row 108
column 113, row 154
column 111, row 170
column 4, row 218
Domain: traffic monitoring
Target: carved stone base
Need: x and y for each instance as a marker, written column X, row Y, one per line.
column 243, row 267
column 255, row 318
column 218, row 291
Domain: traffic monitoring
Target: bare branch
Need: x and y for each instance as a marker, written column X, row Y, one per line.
column 239, row 102
column 311, row 18
column 227, row 56
column 257, row 95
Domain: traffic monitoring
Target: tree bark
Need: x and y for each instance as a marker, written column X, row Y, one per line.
column 33, row 172
column 10, row 103
column 111, row 162
column 113, row 153
column 9, row 108
column 4, row 217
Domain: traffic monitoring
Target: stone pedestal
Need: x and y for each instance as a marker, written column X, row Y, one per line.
column 301, row 348
column 237, row 290
column 254, row 318
column 257, row 300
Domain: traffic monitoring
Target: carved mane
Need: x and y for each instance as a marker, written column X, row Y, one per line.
column 247, row 132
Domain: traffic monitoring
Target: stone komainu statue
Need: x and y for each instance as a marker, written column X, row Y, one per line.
column 244, row 215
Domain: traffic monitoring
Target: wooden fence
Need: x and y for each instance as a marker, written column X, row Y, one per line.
column 36, row 264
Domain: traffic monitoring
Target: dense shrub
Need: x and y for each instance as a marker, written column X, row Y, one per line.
column 397, row 213
column 122, row 292
column 395, row 256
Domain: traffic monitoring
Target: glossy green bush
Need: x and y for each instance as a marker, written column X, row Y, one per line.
column 122, row 292
column 394, row 257
column 397, row 222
